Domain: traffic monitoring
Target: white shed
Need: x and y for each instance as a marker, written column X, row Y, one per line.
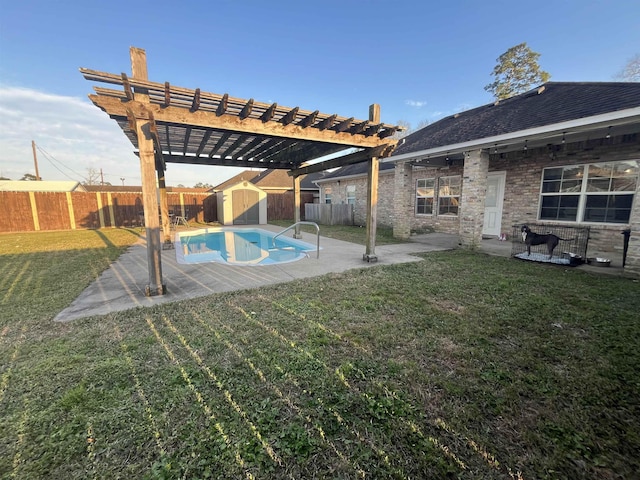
column 242, row 204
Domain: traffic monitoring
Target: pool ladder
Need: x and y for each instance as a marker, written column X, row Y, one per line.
column 302, row 223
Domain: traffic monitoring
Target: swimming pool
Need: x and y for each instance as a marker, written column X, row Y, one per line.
column 238, row 246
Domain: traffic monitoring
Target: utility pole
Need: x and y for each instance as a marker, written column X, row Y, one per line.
column 35, row 158
column 101, row 178
column 122, row 178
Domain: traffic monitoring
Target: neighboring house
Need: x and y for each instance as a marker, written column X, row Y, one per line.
column 41, row 186
column 561, row 154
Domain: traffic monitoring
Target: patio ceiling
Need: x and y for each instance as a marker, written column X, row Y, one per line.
column 195, row 127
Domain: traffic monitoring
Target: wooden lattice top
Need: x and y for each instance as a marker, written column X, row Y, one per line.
column 190, row 126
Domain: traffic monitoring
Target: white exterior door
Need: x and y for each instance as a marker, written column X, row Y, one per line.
column 493, row 203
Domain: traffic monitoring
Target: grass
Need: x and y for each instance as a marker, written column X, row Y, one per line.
column 459, row 366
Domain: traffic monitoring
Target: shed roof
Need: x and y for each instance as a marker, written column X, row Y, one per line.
column 265, row 179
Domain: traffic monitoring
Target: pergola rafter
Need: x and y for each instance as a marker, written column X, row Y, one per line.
column 169, row 124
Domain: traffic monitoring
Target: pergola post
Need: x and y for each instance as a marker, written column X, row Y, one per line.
column 147, row 173
column 164, row 211
column 296, row 206
column 372, row 195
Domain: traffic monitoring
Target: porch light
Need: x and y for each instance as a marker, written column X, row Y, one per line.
column 608, row 135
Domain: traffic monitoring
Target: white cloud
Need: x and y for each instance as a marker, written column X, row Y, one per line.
column 415, row 103
column 78, row 136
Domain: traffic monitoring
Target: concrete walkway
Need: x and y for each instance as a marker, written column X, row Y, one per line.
column 122, row 285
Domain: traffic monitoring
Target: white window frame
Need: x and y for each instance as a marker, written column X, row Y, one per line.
column 454, row 194
column 326, row 193
column 426, row 197
column 582, row 186
column 351, row 194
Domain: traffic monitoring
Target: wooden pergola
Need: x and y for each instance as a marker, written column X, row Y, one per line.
column 168, row 124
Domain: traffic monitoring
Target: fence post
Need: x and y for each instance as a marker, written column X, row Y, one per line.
column 34, row 212
column 112, row 217
column 72, row 217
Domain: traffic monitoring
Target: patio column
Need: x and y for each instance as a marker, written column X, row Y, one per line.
column 296, row 206
column 164, row 210
column 474, row 188
column 372, row 195
column 632, row 262
column 147, row 173
column 402, row 195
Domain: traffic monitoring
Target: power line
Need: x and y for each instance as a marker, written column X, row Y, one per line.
column 50, row 158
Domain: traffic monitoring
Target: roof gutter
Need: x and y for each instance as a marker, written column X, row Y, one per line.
column 611, row 119
column 346, row 177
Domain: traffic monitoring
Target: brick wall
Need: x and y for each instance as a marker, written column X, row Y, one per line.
column 385, row 196
column 396, row 193
column 474, row 189
column 524, row 176
column 438, row 223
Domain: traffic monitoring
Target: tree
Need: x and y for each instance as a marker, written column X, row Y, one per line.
column 402, row 133
column 202, row 185
column 408, row 129
column 517, row 70
column 631, row 71
column 93, row 177
column 29, row 177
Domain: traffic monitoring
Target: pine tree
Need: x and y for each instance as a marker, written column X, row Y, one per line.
column 516, row 72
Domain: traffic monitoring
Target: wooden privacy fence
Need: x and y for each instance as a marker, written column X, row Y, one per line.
column 36, row 211
column 280, row 206
column 329, row 213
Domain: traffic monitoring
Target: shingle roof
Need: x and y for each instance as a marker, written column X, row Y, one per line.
column 551, row 103
column 247, row 175
column 270, row 178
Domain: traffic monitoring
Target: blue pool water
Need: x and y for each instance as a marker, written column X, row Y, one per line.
column 238, row 246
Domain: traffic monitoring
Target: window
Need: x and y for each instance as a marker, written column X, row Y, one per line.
column 449, row 189
column 599, row 192
column 425, row 194
column 351, row 194
column 327, row 195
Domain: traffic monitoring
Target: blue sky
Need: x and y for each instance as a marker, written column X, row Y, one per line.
column 420, row 60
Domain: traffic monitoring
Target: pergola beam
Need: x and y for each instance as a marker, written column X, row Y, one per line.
column 240, row 123
column 350, row 159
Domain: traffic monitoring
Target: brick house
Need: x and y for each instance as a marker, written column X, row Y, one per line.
column 561, row 154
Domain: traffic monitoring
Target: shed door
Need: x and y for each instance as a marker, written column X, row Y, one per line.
column 246, row 210
column 493, row 203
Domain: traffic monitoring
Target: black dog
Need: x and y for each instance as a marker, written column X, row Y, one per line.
column 549, row 239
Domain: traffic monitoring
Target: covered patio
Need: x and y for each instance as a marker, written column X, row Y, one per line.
column 169, row 124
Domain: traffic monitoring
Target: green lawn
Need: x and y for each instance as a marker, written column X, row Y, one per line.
column 458, row 366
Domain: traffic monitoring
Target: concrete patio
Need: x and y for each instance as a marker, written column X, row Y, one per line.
column 122, row 285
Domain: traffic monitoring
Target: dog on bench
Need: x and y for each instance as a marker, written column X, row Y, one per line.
column 549, row 239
